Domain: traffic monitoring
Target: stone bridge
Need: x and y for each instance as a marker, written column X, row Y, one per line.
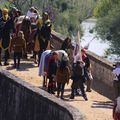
column 20, row 100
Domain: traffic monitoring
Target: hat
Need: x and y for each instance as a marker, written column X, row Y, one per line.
column 5, row 11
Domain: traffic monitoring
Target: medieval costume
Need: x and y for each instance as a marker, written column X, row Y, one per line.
column 44, row 34
column 88, row 75
column 18, row 46
column 6, row 25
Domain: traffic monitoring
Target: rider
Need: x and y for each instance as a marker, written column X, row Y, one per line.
column 6, row 24
column 44, row 34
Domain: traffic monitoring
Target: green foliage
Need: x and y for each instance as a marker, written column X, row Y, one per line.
column 102, row 8
column 68, row 13
column 4, row 4
column 108, row 27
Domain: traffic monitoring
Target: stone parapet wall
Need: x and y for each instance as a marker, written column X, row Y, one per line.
column 101, row 69
column 22, row 101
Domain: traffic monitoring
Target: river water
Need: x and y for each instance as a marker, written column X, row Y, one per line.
column 96, row 45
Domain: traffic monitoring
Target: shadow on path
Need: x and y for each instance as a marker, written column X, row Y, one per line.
column 23, row 67
column 102, row 104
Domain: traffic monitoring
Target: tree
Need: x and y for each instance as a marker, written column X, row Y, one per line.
column 108, row 28
column 68, row 14
column 102, row 8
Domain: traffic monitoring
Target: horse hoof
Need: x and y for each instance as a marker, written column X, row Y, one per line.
column 6, row 64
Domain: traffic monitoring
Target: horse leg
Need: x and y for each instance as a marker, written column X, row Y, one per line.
column 0, row 56
column 6, row 57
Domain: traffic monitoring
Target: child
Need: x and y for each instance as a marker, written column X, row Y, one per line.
column 62, row 77
column 18, row 46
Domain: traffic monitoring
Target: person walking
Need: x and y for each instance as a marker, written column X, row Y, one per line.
column 116, row 80
column 44, row 34
column 6, row 26
column 78, row 79
column 87, row 70
column 18, row 46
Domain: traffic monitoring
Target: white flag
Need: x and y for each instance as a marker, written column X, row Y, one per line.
column 77, row 50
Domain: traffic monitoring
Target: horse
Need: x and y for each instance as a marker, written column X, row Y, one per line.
column 44, row 61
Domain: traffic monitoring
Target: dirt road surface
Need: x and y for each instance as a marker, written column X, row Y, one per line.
column 98, row 107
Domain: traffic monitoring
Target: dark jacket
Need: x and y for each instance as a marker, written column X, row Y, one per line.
column 77, row 71
column 5, row 29
column 52, row 68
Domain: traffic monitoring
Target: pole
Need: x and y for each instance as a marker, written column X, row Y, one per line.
column 79, row 44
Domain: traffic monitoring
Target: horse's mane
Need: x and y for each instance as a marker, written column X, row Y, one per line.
column 21, row 18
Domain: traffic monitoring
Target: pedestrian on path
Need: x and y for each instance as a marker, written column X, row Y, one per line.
column 78, row 79
column 88, row 75
column 19, row 47
column 116, row 80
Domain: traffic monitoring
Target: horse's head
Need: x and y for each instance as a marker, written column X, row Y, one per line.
column 21, row 18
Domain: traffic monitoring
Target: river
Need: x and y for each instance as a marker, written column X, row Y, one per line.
column 96, row 45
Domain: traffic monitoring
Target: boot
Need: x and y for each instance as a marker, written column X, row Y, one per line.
column 58, row 92
column 88, row 83
column 85, row 97
column 6, row 63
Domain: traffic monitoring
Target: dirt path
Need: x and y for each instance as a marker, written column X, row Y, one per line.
column 98, row 107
